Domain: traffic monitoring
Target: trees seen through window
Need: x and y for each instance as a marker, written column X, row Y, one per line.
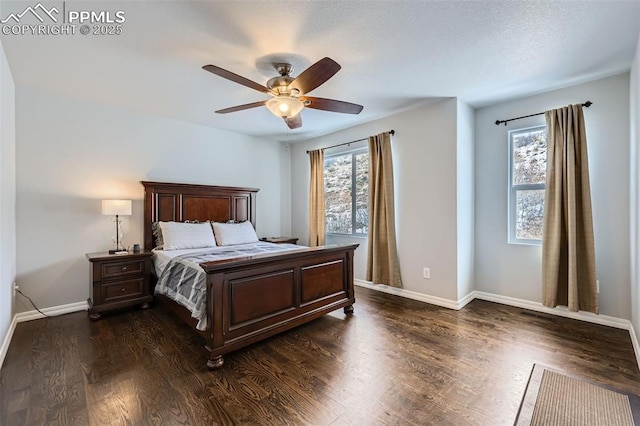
column 346, row 186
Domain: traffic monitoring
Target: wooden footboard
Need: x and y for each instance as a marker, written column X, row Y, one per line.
column 256, row 297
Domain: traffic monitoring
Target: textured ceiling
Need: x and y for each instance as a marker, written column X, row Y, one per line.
column 394, row 54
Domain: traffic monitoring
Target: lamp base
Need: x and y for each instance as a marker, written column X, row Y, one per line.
column 114, row 251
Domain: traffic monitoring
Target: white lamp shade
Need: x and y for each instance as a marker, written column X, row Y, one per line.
column 285, row 106
column 116, row 207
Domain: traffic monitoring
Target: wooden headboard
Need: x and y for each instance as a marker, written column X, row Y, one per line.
column 180, row 202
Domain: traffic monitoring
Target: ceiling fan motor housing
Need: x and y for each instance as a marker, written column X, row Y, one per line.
column 281, row 83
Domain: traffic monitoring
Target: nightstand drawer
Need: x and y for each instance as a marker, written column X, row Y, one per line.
column 121, row 269
column 122, row 290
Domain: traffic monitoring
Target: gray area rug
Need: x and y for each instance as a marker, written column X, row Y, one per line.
column 553, row 398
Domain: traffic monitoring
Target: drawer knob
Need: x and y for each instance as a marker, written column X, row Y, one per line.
column 124, row 268
column 122, row 289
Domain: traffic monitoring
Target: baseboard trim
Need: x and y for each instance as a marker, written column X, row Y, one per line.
column 414, row 295
column 7, row 340
column 52, row 311
column 560, row 311
column 634, row 342
column 466, row 300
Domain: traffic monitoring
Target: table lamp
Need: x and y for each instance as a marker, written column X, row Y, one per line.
column 117, row 208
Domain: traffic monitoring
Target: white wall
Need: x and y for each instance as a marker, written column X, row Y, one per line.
column 465, row 203
column 7, row 197
column 634, row 91
column 515, row 270
column 285, row 190
column 424, row 150
column 71, row 154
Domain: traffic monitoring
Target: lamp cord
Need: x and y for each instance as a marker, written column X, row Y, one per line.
column 34, row 305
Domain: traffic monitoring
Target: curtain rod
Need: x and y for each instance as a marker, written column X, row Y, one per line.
column 347, row 143
column 498, row 122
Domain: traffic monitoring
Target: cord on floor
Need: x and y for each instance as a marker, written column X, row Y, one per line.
column 34, row 305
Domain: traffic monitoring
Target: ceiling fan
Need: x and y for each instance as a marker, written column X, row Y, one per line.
column 289, row 93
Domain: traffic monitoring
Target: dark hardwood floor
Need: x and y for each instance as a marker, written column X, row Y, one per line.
column 394, row 361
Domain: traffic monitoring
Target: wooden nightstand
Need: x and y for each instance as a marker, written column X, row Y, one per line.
column 280, row 240
column 119, row 281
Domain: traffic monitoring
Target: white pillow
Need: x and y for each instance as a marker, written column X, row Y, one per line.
column 178, row 235
column 228, row 234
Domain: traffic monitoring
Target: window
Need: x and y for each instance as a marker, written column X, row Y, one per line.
column 346, row 191
column 527, row 175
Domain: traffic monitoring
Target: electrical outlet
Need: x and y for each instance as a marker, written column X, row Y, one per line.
column 15, row 287
column 597, row 286
column 426, row 273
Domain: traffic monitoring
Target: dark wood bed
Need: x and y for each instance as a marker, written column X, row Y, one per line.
column 251, row 298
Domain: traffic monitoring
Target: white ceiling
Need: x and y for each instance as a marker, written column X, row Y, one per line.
column 394, row 54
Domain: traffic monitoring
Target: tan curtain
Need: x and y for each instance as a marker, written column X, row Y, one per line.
column 568, row 251
column 382, row 255
column 316, row 199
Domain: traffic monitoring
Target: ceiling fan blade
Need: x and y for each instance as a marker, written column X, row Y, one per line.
column 240, row 107
column 315, row 75
column 294, row 122
column 235, row 78
column 331, row 105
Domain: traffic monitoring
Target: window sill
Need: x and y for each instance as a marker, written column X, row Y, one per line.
column 361, row 236
column 526, row 243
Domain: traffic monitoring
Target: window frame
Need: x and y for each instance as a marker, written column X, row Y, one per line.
column 513, row 189
column 354, row 153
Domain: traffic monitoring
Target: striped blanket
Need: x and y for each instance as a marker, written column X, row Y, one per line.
column 184, row 281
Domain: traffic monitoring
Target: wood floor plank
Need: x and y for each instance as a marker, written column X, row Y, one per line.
column 394, row 361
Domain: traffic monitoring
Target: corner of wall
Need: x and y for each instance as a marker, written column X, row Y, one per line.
column 465, row 198
column 5, row 341
column 7, row 200
column 634, row 175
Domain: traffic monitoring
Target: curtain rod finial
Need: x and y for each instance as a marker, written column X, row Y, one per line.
column 588, row 104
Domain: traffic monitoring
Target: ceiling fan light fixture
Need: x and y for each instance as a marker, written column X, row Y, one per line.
column 285, row 106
